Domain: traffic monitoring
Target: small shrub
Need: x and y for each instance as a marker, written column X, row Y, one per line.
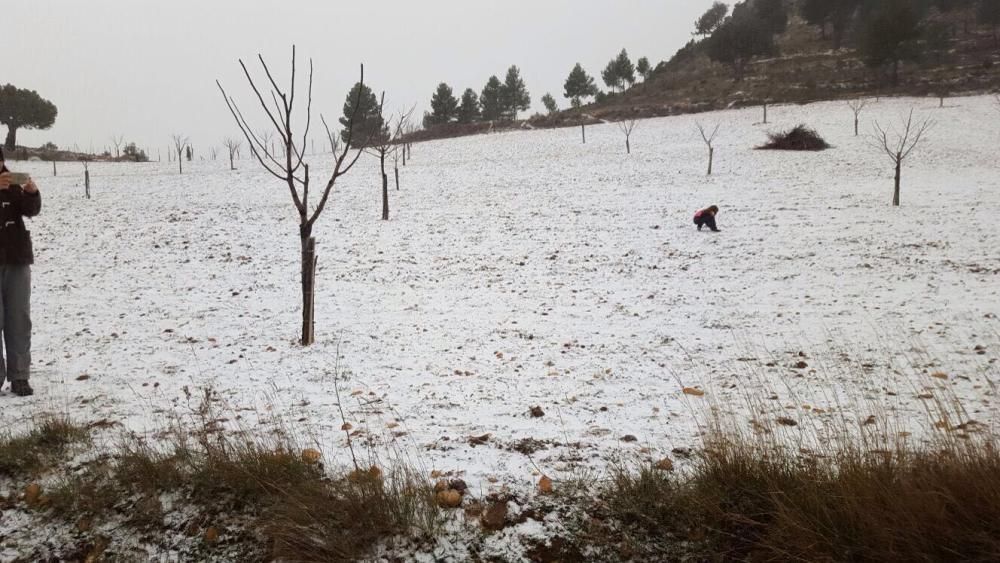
column 799, row 138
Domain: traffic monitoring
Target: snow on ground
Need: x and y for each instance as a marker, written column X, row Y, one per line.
column 526, row 269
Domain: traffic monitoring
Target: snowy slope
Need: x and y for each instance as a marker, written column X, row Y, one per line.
column 526, row 269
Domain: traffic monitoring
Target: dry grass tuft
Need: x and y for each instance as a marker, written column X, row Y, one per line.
column 753, row 496
column 342, row 519
column 40, row 448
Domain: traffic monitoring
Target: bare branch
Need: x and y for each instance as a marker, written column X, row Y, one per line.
column 627, row 126
column 709, row 139
column 339, row 168
column 903, row 144
column 334, row 141
column 248, row 133
column 256, row 91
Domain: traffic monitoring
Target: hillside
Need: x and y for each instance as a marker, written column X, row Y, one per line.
column 807, row 70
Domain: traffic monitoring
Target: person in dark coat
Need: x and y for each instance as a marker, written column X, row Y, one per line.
column 16, row 257
column 706, row 218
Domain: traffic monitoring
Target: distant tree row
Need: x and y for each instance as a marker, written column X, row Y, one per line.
column 886, row 33
column 502, row 101
column 498, row 101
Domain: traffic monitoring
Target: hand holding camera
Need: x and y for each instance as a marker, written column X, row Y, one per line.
column 8, row 179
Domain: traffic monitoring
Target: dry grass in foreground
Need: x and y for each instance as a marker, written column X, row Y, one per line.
column 32, row 452
column 261, row 498
column 751, row 497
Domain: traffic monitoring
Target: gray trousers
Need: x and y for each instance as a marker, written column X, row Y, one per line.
column 15, row 321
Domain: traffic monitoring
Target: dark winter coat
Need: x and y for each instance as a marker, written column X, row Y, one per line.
column 705, row 218
column 15, row 239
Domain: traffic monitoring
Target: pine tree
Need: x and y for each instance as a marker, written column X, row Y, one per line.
column 643, row 68
column 741, row 38
column 610, row 76
column 891, row 35
column 837, row 13
column 625, row 68
column 988, row 14
column 469, row 110
column 773, row 13
column 550, row 103
column 514, row 95
column 24, row 109
column 369, row 126
column 579, row 85
column 712, row 19
column 444, row 106
column 490, row 99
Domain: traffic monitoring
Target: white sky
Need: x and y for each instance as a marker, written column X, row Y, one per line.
column 145, row 69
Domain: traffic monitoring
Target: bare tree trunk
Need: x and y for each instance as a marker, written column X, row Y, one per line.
column 232, row 165
column 855, row 125
column 385, row 191
column 895, row 193
column 396, row 168
column 11, row 142
column 583, row 131
column 404, row 154
column 180, row 163
column 711, row 157
column 765, row 113
column 54, row 167
column 86, row 183
column 628, row 146
column 309, row 261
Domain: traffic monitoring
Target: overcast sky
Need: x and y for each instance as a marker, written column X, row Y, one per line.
column 145, row 69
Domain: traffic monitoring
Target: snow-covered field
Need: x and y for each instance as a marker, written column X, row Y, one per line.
column 526, row 269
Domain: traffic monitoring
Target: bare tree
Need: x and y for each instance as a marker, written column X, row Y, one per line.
column 293, row 170
column 627, row 126
column 400, row 146
column 267, row 142
column 857, row 106
column 765, row 112
column 213, row 151
column 709, row 140
column 901, row 145
column 233, row 146
column 387, row 141
column 117, row 141
column 180, row 143
column 331, row 137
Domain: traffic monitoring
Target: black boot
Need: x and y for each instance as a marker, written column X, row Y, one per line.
column 21, row 388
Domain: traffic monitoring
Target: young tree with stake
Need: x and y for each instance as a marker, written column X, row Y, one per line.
column 385, row 142
column 293, row 170
column 117, row 141
column 233, row 146
column 709, row 140
column 857, row 106
column 180, row 144
column 900, row 147
column 627, row 126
